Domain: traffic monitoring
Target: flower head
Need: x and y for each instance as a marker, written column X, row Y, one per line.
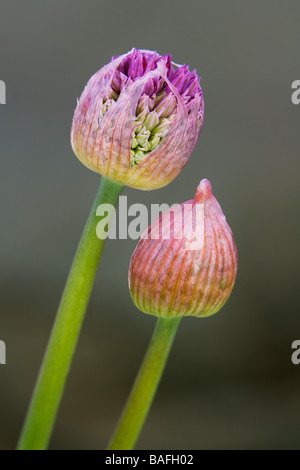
column 138, row 119
column 192, row 270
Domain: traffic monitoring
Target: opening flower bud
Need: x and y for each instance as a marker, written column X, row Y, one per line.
column 139, row 119
column 185, row 263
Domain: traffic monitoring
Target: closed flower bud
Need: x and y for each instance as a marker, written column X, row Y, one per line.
column 138, row 119
column 185, row 263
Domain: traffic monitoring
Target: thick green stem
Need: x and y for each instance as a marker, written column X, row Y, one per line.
column 61, row 347
column 145, row 386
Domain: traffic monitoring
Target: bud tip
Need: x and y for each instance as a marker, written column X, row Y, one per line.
column 204, row 192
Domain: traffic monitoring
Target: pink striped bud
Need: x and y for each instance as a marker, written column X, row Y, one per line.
column 138, row 119
column 190, row 271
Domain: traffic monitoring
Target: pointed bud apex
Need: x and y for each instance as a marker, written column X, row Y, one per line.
column 204, row 192
column 140, row 87
column 185, row 264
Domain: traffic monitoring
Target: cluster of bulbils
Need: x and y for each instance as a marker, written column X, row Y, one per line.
column 137, row 123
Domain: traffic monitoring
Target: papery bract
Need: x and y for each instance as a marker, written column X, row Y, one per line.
column 138, row 119
column 194, row 270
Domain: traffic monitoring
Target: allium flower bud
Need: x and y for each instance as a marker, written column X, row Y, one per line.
column 194, row 270
column 138, row 119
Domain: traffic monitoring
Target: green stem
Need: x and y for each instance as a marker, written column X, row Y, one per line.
column 61, row 347
column 145, row 386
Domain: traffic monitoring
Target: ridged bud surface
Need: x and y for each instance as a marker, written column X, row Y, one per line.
column 192, row 273
column 138, row 119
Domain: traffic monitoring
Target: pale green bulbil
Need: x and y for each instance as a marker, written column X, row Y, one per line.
column 149, row 128
column 152, row 120
column 147, row 133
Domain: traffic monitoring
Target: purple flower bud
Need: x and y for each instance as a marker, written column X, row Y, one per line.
column 185, row 264
column 139, row 119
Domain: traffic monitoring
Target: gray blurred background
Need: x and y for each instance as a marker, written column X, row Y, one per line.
column 230, row 382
